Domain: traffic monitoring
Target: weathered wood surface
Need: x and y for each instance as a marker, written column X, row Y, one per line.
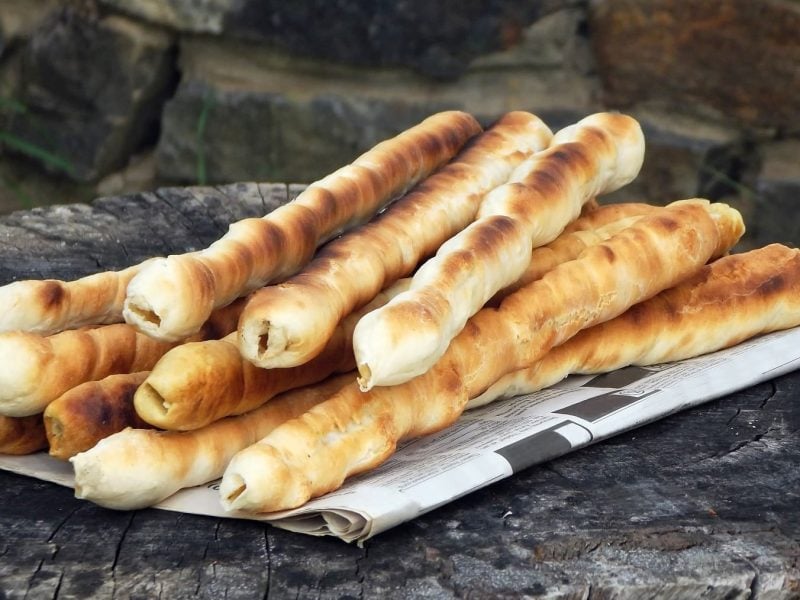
column 703, row 503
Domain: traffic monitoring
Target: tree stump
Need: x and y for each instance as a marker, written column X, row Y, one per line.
column 702, row 503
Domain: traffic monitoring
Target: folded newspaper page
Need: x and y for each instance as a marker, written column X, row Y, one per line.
column 495, row 441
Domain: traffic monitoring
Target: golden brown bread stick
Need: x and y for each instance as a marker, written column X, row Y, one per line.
column 567, row 246
column 730, row 300
column 355, row 430
column 172, row 297
column 49, row 306
column 140, row 467
column 195, row 384
column 597, row 155
column 592, row 227
column 91, row 411
column 22, row 435
column 288, row 324
column 608, row 213
column 35, row 370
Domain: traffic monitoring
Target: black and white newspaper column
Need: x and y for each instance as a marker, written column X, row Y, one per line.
column 497, row 440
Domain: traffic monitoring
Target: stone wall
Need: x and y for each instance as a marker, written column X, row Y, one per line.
column 115, row 95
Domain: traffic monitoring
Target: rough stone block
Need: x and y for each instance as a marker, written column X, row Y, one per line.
column 776, row 202
column 684, row 157
column 18, row 18
column 736, row 59
column 212, row 134
column 244, row 112
column 436, row 38
column 92, row 90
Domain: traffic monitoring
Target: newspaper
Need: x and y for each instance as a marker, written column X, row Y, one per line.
column 493, row 442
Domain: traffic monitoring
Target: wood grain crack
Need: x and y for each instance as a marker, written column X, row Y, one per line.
column 269, row 563
column 117, row 552
column 360, row 571
column 772, row 394
column 744, row 443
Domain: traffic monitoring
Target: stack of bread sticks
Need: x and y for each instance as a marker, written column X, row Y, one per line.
column 445, row 268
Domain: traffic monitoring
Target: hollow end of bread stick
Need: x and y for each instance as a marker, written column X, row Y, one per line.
column 266, row 345
column 130, row 483
column 138, row 312
column 384, row 355
column 237, row 487
column 145, row 314
column 170, row 299
column 150, row 404
column 364, row 378
column 55, row 431
column 257, row 480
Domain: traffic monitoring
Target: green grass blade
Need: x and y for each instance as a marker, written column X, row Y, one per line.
column 32, row 150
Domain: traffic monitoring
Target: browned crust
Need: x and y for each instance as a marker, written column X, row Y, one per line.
column 546, row 192
column 349, row 271
column 256, row 251
column 608, row 213
column 49, row 306
column 738, row 296
column 36, row 370
column 195, row 384
column 353, row 431
column 567, row 246
column 730, row 300
column 206, row 381
column 78, row 419
column 136, row 467
column 22, row 435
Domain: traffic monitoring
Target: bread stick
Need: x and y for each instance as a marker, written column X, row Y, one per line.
column 22, row 435
column 172, row 297
column 136, row 468
column 49, row 306
column 195, row 384
column 288, row 324
column 35, row 370
column 732, row 299
column 597, row 155
column 609, row 213
column 354, row 430
column 91, row 411
column 591, row 228
column 566, row 247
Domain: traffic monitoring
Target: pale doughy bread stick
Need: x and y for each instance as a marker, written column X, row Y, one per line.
column 22, row 435
column 597, row 155
column 354, row 430
column 288, row 324
column 172, row 297
column 730, row 300
column 49, row 306
column 84, row 415
column 193, row 385
column 35, row 370
column 136, row 468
